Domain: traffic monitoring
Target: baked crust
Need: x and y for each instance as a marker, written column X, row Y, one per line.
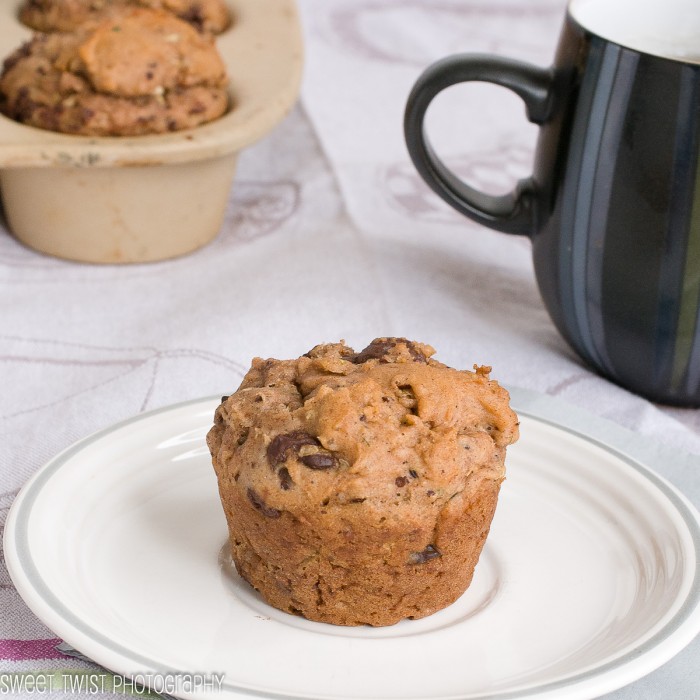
column 72, row 15
column 141, row 72
column 359, row 488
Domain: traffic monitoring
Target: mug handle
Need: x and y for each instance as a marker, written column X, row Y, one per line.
column 515, row 212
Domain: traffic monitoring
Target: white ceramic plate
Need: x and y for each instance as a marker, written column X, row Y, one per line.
column 588, row 581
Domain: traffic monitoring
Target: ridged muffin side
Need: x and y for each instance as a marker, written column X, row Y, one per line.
column 359, row 488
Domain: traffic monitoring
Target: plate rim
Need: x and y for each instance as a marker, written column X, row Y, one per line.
column 663, row 645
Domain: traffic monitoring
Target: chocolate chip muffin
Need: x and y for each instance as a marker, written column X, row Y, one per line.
column 141, row 72
column 359, row 488
column 70, row 15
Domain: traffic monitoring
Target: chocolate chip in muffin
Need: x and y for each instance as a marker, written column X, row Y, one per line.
column 376, row 350
column 285, row 478
column 260, row 505
column 194, row 15
column 416, row 354
column 281, row 444
column 243, row 437
column 320, row 460
column 430, row 552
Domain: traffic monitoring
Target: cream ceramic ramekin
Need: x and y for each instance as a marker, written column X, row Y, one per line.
column 145, row 198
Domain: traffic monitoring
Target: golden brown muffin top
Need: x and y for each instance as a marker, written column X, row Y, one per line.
column 387, row 425
column 210, row 16
column 142, row 72
column 145, row 52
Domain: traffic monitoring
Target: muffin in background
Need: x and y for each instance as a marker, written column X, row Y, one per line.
column 139, row 72
column 210, row 16
column 359, row 488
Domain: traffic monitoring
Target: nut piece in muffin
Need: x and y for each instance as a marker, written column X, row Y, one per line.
column 359, row 488
column 70, row 15
column 142, row 72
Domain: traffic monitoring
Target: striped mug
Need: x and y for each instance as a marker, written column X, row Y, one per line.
column 613, row 204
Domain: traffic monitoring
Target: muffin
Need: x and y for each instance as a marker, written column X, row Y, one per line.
column 143, row 72
column 72, row 15
column 359, row 488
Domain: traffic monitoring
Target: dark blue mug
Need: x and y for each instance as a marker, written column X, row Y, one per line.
column 613, row 204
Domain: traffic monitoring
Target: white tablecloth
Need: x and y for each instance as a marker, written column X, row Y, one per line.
column 330, row 234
